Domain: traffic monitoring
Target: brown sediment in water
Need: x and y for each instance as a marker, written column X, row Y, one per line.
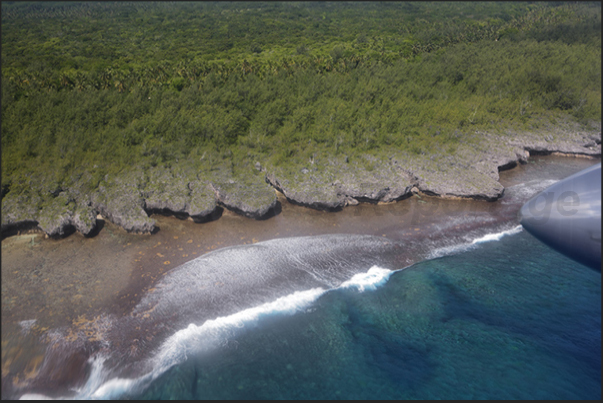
column 68, row 282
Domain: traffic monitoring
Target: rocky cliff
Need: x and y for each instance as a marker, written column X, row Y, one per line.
column 328, row 183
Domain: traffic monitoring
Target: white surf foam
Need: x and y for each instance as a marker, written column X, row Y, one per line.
column 497, row 236
column 194, row 339
column 465, row 246
column 96, row 377
column 522, row 192
column 117, row 387
column 449, row 250
column 26, row 325
column 375, row 277
column 197, row 338
column 301, row 262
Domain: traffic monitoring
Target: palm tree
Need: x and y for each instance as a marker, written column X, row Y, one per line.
column 80, row 81
column 66, row 81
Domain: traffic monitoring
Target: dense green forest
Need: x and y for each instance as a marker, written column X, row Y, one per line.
column 105, row 86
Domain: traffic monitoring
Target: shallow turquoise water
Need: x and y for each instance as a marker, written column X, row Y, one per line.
column 509, row 319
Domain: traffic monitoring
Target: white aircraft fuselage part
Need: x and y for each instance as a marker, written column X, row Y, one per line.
column 567, row 216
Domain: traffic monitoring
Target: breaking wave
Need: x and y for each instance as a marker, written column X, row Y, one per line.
column 195, row 339
column 465, row 246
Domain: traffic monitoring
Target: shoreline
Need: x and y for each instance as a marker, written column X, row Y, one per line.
column 129, row 199
column 79, row 281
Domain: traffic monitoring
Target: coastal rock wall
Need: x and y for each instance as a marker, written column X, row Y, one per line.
column 120, row 199
column 310, row 189
column 179, row 191
column 202, row 202
column 339, row 183
column 127, row 198
column 253, row 200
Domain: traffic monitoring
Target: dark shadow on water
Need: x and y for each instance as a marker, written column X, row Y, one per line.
column 68, row 230
column 18, row 229
column 405, row 363
column 167, row 213
column 509, row 165
column 318, row 207
column 270, row 213
column 216, row 214
column 567, row 326
column 368, row 200
column 100, row 224
column 274, row 211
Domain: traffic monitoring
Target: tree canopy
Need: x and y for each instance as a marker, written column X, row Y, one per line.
column 113, row 85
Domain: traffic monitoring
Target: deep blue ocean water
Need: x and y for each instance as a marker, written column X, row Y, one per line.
column 507, row 319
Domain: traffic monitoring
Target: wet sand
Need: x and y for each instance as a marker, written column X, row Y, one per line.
column 73, row 282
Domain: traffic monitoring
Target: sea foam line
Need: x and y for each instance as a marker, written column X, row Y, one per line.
column 373, row 278
column 463, row 247
column 526, row 190
column 194, row 339
column 26, row 325
column 497, row 236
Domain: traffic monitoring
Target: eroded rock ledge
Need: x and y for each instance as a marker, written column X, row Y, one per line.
column 329, row 184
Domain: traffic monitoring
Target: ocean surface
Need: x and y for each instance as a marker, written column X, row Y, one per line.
column 505, row 319
column 502, row 317
column 482, row 311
